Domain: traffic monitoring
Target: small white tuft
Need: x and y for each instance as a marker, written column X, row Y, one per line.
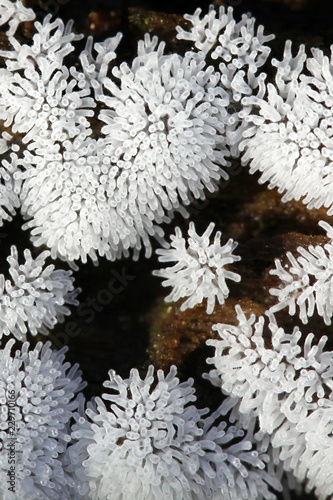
column 36, row 296
column 199, row 271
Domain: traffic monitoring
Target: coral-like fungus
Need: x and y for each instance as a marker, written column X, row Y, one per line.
column 287, row 386
column 38, row 392
column 151, row 443
column 36, row 297
column 290, row 137
column 199, row 271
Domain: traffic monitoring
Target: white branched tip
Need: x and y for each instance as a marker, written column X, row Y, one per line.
column 306, row 282
column 14, row 13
